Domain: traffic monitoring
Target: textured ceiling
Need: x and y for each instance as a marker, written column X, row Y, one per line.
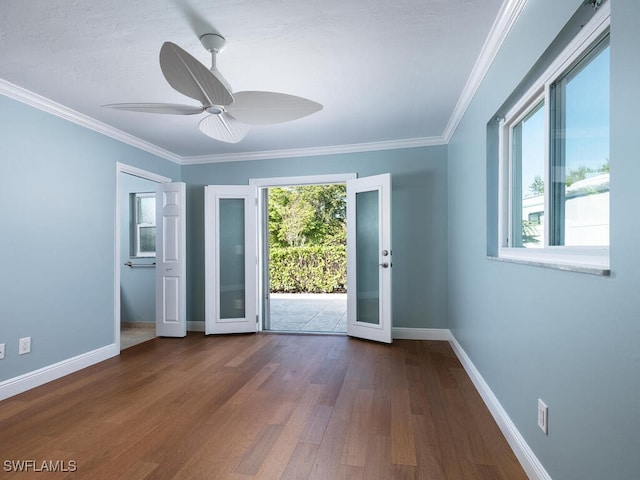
column 384, row 71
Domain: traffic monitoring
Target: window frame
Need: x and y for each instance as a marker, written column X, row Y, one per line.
column 136, row 225
column 592, row 259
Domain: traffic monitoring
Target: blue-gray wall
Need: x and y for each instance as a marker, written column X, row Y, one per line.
column 57, row 235
column 137, row 285
column 419, row 218
column 571, row 339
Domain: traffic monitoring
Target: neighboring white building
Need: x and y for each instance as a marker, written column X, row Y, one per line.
column 586, row 213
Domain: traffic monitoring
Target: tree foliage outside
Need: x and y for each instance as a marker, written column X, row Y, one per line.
column 311, row 268
column 307, row 215
column 537, row 186
column 529, row 233
column 307, row 238
column 573, row 175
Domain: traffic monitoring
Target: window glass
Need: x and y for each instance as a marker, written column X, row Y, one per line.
column 143, row 228
column 580, row 156
column 528, row 179
column 147, row 240
column 147, row 209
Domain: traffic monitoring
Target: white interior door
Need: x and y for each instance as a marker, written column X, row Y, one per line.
column 230, row 259
column 171, row 312
column 369, row 258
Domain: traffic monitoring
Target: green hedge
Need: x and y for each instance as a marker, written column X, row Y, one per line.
column 312, row 269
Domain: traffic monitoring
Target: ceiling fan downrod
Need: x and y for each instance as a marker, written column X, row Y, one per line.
column 214, row 44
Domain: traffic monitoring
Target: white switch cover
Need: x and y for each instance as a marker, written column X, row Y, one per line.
column 24, row 345
column 543, row 416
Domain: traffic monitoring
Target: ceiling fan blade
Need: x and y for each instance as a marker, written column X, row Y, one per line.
column 223, row 127
column 168, row 108
column 188, row 76
column 266, row 108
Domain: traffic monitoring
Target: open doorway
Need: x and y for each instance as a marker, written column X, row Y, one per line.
column 236, row 270
column 305, row 258
column 135, row 255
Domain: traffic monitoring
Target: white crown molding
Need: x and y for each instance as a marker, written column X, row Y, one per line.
column 507, row 17
column 33, row 99
column 316, row 151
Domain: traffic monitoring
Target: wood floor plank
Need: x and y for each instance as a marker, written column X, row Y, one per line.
column 139, row 471
column 403, row 447
column 354, row 452
column 262, row 407
column 349, row 472
column 257, row 452
column 378, row 465
column 429, row 453
column 314, row 431
column 300, row 463
column 251, row 348
column 287, row 443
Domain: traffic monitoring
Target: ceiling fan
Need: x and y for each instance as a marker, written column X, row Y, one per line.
column 230, row 114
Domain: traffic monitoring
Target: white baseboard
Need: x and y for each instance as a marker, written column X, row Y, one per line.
column 526, row 457
column 195, row 326
column 27, row 381
column 404, row 333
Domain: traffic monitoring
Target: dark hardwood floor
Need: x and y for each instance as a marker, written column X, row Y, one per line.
column 260, row 406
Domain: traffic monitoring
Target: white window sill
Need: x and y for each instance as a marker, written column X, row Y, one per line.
column 579, row 263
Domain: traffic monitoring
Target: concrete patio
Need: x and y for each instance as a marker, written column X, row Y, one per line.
column 309, row 312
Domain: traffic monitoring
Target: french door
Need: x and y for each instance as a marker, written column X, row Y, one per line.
column 231, row 258
column 369, row 258
column 231, row 267
column 171, row 311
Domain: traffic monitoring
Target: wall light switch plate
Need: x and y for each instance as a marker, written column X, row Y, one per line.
column 543, row 417
column 24, row 345
column 1, row 351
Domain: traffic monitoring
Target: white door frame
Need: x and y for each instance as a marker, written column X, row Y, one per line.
column 136, row 172
column 263, row 183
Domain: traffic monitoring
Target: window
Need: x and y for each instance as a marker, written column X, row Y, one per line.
column 143, row 231
column 554, row 160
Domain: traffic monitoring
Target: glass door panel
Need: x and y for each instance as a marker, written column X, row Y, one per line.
column 367, row 254
column 232, row 258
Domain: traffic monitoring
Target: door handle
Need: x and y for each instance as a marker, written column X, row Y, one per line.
column 384, row 265
column 385, row 253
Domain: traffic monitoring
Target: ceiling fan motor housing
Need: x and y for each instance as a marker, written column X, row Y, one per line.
column 213, row 42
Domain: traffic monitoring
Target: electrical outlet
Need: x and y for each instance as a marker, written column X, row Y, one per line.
column 543, row 416
column 1, row 351
column 24, row 345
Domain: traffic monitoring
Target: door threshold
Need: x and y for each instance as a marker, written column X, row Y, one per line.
column 303, row 332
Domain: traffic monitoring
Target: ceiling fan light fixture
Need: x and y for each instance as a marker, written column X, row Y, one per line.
column 215, row 110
